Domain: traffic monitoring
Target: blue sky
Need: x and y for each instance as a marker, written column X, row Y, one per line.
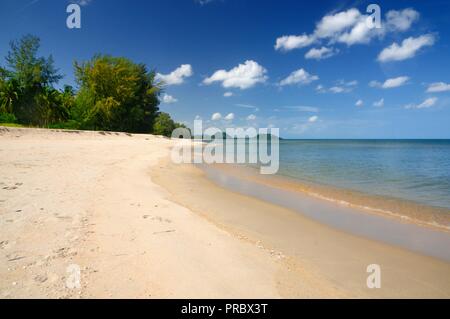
column 313, row 69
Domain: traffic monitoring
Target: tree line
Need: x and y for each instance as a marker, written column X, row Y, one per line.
column 113, row 94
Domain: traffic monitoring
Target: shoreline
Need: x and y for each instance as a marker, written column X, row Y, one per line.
column 331, row 254
column 390, row 207
column 423, row 239
column 141, row 227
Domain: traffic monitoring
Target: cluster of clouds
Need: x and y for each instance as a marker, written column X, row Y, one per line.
column 176, row 77
column 352, row 27
column 230, row 117
column 429, row 102
column 218, row 116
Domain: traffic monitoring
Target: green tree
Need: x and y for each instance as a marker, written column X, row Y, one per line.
column 116, row 94
column 68, row 98
column 50, row 107
column 165, row 125
column 26, row 67
column 29, row 76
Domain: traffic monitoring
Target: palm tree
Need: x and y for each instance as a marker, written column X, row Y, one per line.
column 49, row 107
column 9, row 95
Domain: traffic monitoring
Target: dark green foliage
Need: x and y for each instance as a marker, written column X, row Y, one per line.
column 164, row 125
column 7, row 118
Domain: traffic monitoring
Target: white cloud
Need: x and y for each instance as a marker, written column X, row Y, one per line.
column 401, row 20
column 379, row 103
column 424, row 105
column 359, row 103
column 320, row 88
column 80, row 2
column 319, row 54
column 290, row 42
column 407, row 49
column 216, row 116
column 251, row 117
column 390, row 83
column 395, row 82
column 229, row 117
column 359, row 34
column 228, row 94
column 299, row 77
column 337, row 89
column 438, row 87
column 243, row 76
column 332, row 24
column 349, row 83
column 313, row 119
column 168, row 99
column 341, row 86
column 177, row 76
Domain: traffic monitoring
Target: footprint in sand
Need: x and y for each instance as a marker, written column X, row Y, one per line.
column 3, row 244
column 10, row 188
column 157, row 219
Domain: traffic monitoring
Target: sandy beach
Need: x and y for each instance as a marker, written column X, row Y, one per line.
column 139, row 226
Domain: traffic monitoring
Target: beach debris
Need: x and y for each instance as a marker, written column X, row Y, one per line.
column 64, row 252
column 14, row 257
column 41, row 278
column 161, row 220
column 164, row 232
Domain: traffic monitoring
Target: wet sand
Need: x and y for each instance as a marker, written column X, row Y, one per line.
column 430, row 216
column 429, row 239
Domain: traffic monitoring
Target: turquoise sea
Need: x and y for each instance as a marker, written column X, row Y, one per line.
column 415, row 170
